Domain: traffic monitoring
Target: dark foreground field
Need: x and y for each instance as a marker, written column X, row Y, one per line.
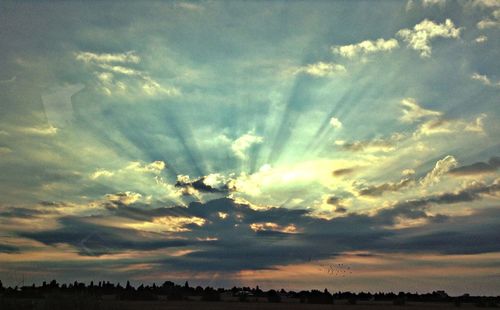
column 221, row 305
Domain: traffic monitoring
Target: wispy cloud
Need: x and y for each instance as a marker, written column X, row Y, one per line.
column 365, row 47
column 116, row 74
column 412, row 111
column 321, row 69
column 484, row 79
column 241, row 145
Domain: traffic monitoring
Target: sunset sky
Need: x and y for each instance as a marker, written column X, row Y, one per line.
column 299, row 144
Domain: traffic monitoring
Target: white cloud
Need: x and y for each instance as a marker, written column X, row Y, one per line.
column 4, row 150
column 409, row 5
column 477, row 125
column 428, row 3
column 215, row 180
column 488, row 23
column 40, row 131
column 365, row 47
column 243, row 143
column 420, row 36
column 481, row 39
column 484, row 79
column 434, row 123
column 128, row 57
column 408, row 172
column 321, row 69
column 441, row 168
column 486, row 3
column 101, row 173
column 120, row 69
column 189, row 6
column 155, row 167
column 121, row 79
column 11, row 80
column 412, row 111
column 447, row 126
column 335, row 123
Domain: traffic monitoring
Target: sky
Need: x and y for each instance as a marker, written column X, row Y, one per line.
column 348, row 145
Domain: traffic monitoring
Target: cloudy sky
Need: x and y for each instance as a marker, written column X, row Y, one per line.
column 336, row 144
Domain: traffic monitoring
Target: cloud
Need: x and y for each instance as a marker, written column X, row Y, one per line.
column 410, row 4
column 412, row 111
column 8, row 81
column 435, row 123
column 271, row 236
column 40, row 131
column 241, row 145
column 120, row 70
column 125, row 198
column 490, row 22
column 116, row 75
column 484, row 79
column 335, row 123
column 213, row 183
column 273, row 227
column 101, row 173
column 420, row 36
column 338, row 203
column 407, row 172
column 429, row 3
column 441, row 168
column 155, row 167
column 4, row 150
column 88, row 57
column 481, row 39
column 365, row 47
column 333, row 200
column 376, row 145
column 447, row 126
column 6, row 248
column 478, row 168
column 189, row 6
column 471, row 193
column 486, row 3
column 378, row 190
column 321, row 69
column 166, row 224
column 95, row 240
column 343, row 171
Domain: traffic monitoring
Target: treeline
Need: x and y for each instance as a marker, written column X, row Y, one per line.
column 171, row 291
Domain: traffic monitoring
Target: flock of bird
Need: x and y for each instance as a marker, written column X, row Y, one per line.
column 337, row 270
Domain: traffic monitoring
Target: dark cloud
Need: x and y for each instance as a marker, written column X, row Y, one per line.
column 24, row 212
column 5, row 248
column 340, row 209
column 227, row 242
column 94, row 240
column 416, row 208
column 458, row 235
column 341, row 172
column 478, row 168
column 337, row 202
column 378, row 190
column 377, row 144
column 333, row 200
column 200, row 185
